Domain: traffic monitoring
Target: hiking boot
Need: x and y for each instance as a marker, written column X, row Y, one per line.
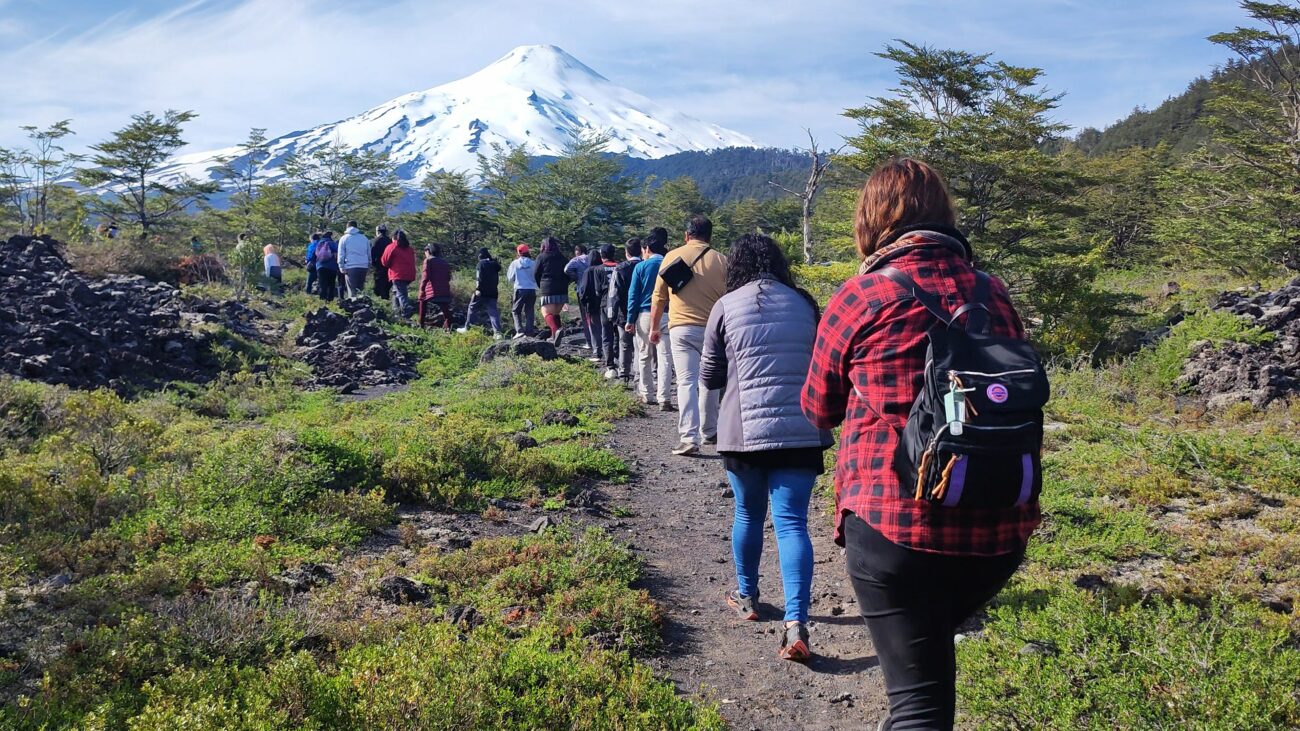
column 794, row 643
column 649, row 401
column 711, row 440
column 685, row 449
column 745, row 607
column 667, row 406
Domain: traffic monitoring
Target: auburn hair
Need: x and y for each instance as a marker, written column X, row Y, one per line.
column 900, row 192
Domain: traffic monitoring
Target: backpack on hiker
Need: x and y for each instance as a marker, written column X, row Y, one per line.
column 324, row 252
column 974, row 436
column 609, row 298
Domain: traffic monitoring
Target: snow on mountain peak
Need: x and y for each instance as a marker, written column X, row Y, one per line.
column 535, row 95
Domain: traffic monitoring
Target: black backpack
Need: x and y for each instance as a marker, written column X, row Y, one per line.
column 974, row 436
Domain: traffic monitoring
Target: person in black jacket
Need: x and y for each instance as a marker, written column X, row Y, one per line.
column 487, row 275
column 383, row 287
column 593, row 291
column 552, row 284
column 616, row 303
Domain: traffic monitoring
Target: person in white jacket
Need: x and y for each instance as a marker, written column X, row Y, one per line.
column 522, row 277
column 354, row 259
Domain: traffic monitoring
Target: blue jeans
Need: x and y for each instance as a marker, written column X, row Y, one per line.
column 789, row 491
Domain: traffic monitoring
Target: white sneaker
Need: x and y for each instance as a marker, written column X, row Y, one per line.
column 518, row 335
column 584, row 346
column 611, row 374
column 685, row 449
column 595, row 359
column 462, row 329
column 497, row 336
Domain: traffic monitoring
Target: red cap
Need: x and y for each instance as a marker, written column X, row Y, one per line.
column 522, row 249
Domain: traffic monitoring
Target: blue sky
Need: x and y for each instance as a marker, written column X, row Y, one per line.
column 765, row 68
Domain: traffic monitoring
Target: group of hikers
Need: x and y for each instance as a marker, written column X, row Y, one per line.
column 339, row 269
column 921, row 361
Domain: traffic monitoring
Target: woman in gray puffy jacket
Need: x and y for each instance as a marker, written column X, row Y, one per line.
column 757, row 345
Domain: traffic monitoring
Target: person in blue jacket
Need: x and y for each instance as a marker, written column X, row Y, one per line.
column 310, row 263
column 651, row 358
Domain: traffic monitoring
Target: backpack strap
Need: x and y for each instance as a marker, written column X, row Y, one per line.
column 976, row 311
column 929, row 301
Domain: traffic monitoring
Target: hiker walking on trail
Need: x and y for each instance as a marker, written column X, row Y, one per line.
column 593, row 294
column 576, row 268
column 487, row 275
column 757, row 344
column 271, row 265
column 552, row 284
column 435, row 286
column 654, row 360
column 383, row 288
column 354, row 260
column 691, row 278
column 327, row 266
column 521, row 276
column 616, row 308
column 310, row 264
column 399, row 257
column 925, row 547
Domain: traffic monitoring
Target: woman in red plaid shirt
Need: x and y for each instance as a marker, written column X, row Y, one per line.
column 919, row 569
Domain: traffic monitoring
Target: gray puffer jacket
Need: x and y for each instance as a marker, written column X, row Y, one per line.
column 758, row 344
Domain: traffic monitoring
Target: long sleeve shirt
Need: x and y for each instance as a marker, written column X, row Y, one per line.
column 641, row 291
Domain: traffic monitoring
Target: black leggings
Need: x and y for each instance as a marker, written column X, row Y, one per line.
column 913, row 603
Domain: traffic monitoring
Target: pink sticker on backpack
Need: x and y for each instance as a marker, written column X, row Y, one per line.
column 997, row 393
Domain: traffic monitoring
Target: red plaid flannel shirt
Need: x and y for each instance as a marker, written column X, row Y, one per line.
column 866, row 371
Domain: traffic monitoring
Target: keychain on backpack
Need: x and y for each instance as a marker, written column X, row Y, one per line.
column 955, row 407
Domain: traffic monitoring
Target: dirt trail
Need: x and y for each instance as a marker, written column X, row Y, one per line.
column 681, row 527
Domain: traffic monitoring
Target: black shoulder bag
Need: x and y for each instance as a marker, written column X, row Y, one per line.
column 679, row 274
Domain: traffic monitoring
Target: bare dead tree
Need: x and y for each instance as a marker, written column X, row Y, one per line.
column 820, row 161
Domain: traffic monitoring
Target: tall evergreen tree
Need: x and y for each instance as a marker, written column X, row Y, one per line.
column 453, row 216
column 1237, row 199
column 127, row 164
column 335, row 183
column 240, row 172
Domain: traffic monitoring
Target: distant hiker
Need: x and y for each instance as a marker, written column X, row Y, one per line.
column 654, row 360
column 607, row 326
column 521, row 277
column 196, row 246
column 399, row 257
column 577, row 267
column 383, row 288
column 552, row 284
column 435, row 286
column 310, row 263
column 616, row 307
column 757, row 345
column 589, row 302
column 327, row 266
column 271, row 265
column 692, row 277
column 111, row 232
column 487, row 275
column 920, row 564
column 354, row 259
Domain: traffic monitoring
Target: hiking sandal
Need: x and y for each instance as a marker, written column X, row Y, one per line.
column 745, row 607
column 794, row 643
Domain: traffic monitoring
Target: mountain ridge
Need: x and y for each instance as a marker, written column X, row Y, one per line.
column 538, row 96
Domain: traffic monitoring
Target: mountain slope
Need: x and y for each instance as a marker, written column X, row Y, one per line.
column 538, row 96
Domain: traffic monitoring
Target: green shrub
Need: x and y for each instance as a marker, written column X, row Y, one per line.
column 1078, row 661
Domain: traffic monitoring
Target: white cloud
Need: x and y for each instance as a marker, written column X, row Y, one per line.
column 765, row 67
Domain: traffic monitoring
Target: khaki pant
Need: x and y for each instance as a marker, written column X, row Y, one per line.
column 698, row 405
column 651, row 358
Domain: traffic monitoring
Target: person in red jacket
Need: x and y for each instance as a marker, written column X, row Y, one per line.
column 435, row 285
column 399, row 257
column 919, row 569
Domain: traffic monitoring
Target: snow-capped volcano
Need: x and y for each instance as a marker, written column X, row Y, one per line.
column 538, row 96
